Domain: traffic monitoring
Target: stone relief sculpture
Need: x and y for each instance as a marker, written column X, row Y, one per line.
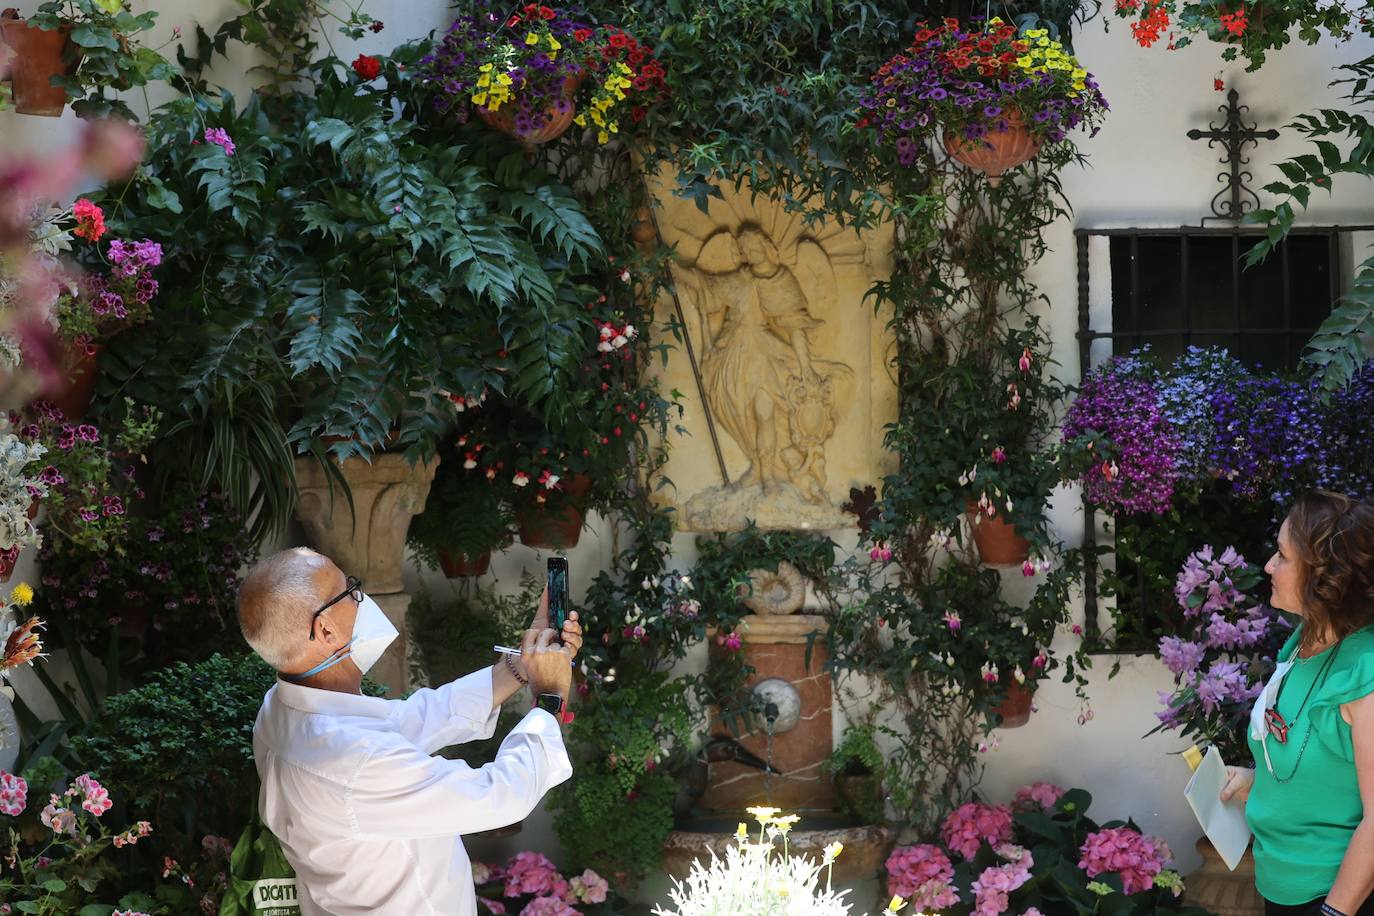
column 783, row 415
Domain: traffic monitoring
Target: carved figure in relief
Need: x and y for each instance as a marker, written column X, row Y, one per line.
column 762, row 382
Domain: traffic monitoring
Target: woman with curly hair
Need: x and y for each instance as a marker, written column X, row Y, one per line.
column 1310, row 797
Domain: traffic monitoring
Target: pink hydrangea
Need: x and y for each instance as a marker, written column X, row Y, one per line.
column 1036, row 796
column 922, row 875
column 973, row 824
column 95, row 798
column 482, row 873
column 589, row 887
column 548, row 906
column 493, row 906
column 1129, row 853
column 14, row 794
column 531, row 873
column 1032, row 911
column 993, row 887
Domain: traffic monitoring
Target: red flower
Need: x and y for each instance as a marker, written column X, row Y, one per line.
column 638, row 113
column 1234, row 23
column 90, row 220
column 1218, row 85
column 582, row 34
column 619, row 39
column 637, row 56
column 368, row 68
column 545, row 13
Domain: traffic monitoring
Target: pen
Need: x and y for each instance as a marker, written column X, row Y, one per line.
column 506, row 650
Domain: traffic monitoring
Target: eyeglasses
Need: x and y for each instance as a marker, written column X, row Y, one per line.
column 353, row 588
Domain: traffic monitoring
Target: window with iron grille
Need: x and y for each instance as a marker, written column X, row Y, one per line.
column 1169, row 290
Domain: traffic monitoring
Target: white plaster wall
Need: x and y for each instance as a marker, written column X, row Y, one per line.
column 1142, row 171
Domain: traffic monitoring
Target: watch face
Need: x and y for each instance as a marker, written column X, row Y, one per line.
column 550, row 702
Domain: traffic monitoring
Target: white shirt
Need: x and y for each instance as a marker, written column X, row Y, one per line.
column 368, row 819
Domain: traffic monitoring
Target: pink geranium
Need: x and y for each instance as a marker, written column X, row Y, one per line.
column 1137, row 858
column 589, row 887
column 923, row 875
column 1036, row 796
column 971, row 825
column 14, row 794
column 95, row 797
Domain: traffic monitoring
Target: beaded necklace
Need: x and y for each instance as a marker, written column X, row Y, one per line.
column 1278, row 727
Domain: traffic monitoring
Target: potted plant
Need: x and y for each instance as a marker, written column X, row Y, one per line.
column 32, row 57
column 997, row 94
column 89, row 475
column 856, row 766
column 538, row 72
column 303, row 335
column 1040, row 854
column 101, row 53
column 465, row 519
column 20, row 489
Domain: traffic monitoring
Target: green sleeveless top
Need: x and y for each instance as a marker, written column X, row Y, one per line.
column 1302, row 827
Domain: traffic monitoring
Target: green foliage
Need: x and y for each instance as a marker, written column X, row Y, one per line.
column 337, row 276
column 464, row 515
column 108, row 55
column 1337, row 349
column 721, row 573
column 454, row 637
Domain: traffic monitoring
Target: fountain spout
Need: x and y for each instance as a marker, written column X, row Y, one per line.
column 720, row 750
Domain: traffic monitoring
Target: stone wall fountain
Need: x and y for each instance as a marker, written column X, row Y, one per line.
column 779, row 764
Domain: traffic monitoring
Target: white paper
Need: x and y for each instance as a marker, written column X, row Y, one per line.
column 1223, row 822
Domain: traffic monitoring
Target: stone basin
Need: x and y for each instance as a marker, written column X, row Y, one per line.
column 866, row 846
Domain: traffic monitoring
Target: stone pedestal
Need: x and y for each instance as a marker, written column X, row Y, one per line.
column 369, row 540
column 775, row 646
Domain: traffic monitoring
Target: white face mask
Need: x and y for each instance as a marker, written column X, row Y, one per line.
column 373, row 631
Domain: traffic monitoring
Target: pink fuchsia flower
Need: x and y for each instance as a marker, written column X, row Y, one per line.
column 531, row 873
column 589, row 887
column 220, row 137
column 548, row 906
column 1028, row 569
column 732, row 640
column 952, row 621
column 1036, row 797
column 1024, row 363
column 999, row 455
column 923, row 874
column 973, row 824
column 14, row 794
column 880, row 553
column 1137, row 858
column 520, row 479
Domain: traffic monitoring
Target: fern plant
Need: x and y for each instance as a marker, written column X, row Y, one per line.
column 337, row 272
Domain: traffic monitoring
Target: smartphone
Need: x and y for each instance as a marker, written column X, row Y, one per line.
column 558, row 593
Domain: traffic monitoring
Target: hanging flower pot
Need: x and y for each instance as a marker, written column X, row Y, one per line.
column 553, row 123
column 997, row 151
column 35, row 56
column 1015, row 710
column 557, row 523
column 998, row 542
column 80, row 369
column 461, row 566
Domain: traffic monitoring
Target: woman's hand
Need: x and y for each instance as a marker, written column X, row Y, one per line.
column 1238, row 783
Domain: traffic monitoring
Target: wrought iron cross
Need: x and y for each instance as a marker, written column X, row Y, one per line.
column 1233, row 134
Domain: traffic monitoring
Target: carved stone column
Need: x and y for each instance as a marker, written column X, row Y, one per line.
column 387, row 493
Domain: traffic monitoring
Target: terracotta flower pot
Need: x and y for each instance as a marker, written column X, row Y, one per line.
column 997, row 151
column 557, row 527
column 555, row 126
column 80, row 371
column 998, row 542
column 1015, row 710
column 35, row 56
column 461, row 566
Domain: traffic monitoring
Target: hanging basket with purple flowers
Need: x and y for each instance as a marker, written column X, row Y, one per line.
column 997, row 94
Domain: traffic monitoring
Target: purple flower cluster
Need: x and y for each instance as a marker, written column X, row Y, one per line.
column 220, row 137
column 1269, row 437
column 1221, row 662
column 1139, row 472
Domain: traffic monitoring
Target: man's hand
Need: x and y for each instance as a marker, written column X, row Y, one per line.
column 1238, row 783
column 572, row 630
column 548, row 664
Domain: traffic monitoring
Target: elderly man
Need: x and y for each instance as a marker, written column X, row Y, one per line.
column 370, row 820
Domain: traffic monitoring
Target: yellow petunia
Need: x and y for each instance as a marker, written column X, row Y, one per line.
column 503, row 79
column 479, row 98
column 483, row 81
column 485, row 68
column 895, row 904
column 580, row 121
column 603, row 137
column 22, row 594
column 553, row 44
column 1037, row 33
column 1080, row 86
column 1079, row 73
column 1042, row 42
column 531, row 39
column 1024, row 61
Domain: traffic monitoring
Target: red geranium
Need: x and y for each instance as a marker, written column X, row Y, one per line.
column 90, row 220
column 368, row 68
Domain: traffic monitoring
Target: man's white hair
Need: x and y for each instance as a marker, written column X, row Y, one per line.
column 276, row 602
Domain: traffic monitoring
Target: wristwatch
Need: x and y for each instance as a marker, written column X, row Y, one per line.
column 551, row 703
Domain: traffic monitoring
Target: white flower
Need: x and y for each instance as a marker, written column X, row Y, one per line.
column 469, row 464
column 551, row 481
column 619, row 341
column 630, row 331
column 520, row 479
column 604, row 347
